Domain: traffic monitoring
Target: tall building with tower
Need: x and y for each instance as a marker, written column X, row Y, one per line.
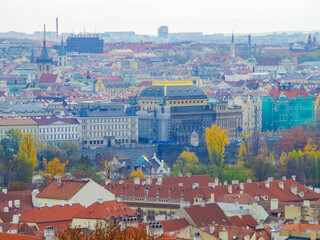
column 163, row 32
column 44, row 62
column 232, row 47
column 62, row 56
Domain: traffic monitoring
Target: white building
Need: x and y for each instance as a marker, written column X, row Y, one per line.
column 54, row 129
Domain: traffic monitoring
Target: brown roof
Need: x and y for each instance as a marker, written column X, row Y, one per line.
column 56, row 213
column 16, row 122
column 8, row 236
column 48, row 78
column 203, row 215
column 174, row 225
column 48, row 121
column 244, row 221
column 106, row 210
column 292, row 93
column 233, row 231
column 242, row 198
column 65, row 191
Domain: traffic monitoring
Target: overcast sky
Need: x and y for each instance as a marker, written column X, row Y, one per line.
column 145, row 16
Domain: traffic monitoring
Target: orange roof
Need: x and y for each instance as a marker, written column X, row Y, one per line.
column 174, row 225
column 300, row 227
column 16, row 122
column 51, row 214
column 8, row 236
column 244, row 221
column 106, row 210
column 66, row 190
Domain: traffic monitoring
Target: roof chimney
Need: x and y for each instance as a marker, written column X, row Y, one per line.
column 235, row 181
column 274, row 203
column 10, row 204
column 136, row 180
column 293, row 177
column 15, row 219
column 188, row 174
column 212, row 197
column 17, row 203
column 5, row 191
column 249, row 180
column 281, row 185
column 180, row 175
column 100, row 201
column 5, row 209
column 241, row 186
column 284, row 178
column 294, row 189
column 230, row 189
column 225, row 183
column 270, row 179
column 159, row 180
column 223, row 234
column 216, row 181
column 58, row 178
column 107, row 181
column 267, row 184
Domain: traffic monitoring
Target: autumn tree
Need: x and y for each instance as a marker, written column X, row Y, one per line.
column 139, row 173
column 216, row 140
column 244, row 150
column 11, row 142
column 186, row 162
column 53, row 168
column 27, row 150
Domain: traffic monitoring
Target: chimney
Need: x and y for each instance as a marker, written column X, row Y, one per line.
column 240, row 215
column 293, row 177
column 211, row 184
column 241, row 186
column 154, row 229
column 212, row 197
column 5, row 209
column 270, row 179
column 223, row 234
column 249, row 180
column 49, row 233
column 136, row 180
column 267, row 184
column 15, row 219
column 149, row 180
column 100, row 201
column 107, row 181
column 5, row 191
column 306, row 203
column 58, row 178
column 294, row 189
column 281, row 185
column 17, row 203
column 216, row 181
column 274, row 203
column 179, row 174
column 10, row 204
column 197, row 236
column 120, row 182
column 195, row 185
column 230, row 189
column 284, row 178
column 159, row 179
column 225, row 183
column 188, row 174
column 235, row 181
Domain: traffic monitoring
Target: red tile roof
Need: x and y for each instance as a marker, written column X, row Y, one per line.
column 292, row 93
column 300, row 227
column 174, row 225
column 8, row 236
column 203, row 215
column 48, row 78
column 244, row 221
column 66, row 190
column 240, row 233
column 106, row 210
column 55, row 213
column 242, row 198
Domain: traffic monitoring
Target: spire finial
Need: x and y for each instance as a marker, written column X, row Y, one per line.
column 232, row 39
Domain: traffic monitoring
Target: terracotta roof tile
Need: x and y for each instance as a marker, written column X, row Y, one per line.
column 48, row 78
column 292, row 93
column 108, row 209
column 244, row 221
column 16, row 122
column 8, row 236
column 174, row 225
column 66, row 190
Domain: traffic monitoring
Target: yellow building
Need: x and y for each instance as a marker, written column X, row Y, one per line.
column 171, row 93
column 22, row 125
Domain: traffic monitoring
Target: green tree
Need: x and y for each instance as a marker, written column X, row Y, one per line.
column 244, row 150
column 236, row 172
column 11, row 142
column 27, row 150
column 186, row 162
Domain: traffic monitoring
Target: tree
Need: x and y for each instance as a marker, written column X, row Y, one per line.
column 139, row 173
column 236, row 172
column 310, row 146
column 216, row 140
column 244, row 150
column 261, row 167
column 53, row 168
column 27, row 150
column 11, row 142
column 186, row 162
column 73, row 152
column 18, row 186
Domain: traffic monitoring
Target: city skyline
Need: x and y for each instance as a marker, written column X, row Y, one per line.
column 144, row 17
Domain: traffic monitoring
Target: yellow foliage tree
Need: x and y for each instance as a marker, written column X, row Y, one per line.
column 216, row 140
column 53, row 168
column 283, row 159
column 28, row 150
column 138, row 173
column 244, row 150
column 310, row 147
column 186, row 162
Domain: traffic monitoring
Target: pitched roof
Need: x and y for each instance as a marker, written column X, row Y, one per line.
column 300, row 227
column 48, row 78
column 8, row 236
column 240, row 233
column 244, row 221
column 106, row 210
column 174, row 225
column 292, row 93
column 65, row 191
column 51, row 214
column 48, row 121
column 203, row 215
column 16, row 122
column 269, row 62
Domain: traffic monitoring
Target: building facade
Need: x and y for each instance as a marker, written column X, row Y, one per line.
column 22, row 125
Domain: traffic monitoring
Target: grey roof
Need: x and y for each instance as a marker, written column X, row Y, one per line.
column 174, row 92
column 24, row 108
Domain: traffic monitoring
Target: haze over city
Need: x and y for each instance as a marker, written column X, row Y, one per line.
column 143, row 16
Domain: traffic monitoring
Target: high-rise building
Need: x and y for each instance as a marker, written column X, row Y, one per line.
column 163, row 32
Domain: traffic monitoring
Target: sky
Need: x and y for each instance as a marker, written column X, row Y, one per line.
column 145, row 16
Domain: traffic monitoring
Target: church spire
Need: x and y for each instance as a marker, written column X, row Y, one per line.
column 232, row 38
column 62, row 51
column 44, row 53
